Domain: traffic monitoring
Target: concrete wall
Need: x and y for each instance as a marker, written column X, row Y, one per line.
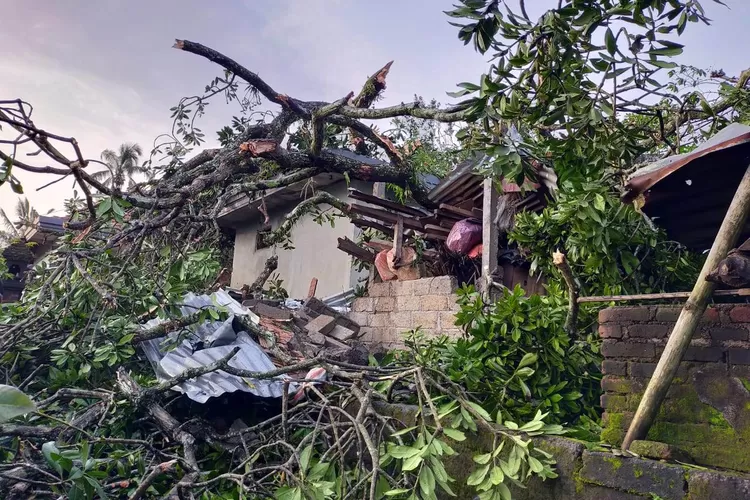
column 588, row 475
column 315, row 254
column 395, row 307
column 707, row 410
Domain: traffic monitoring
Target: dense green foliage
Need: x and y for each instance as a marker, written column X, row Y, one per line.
column 516, row 358
column 611, row 247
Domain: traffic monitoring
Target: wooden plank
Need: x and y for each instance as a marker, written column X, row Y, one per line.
column 477, row 213
column 437, row 229
column 489, row 238
column 313, row 288
column 742, row 292
column 679, row 340
column 383, row 216
column 448, row 215
column 383, row 203
column 363, row 254
column 458, row 211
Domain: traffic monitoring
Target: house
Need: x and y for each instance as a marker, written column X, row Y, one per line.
column 316, row 252
column 37, row 241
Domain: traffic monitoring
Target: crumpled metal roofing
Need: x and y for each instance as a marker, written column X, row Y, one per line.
column 644, row 178
column 219, row 338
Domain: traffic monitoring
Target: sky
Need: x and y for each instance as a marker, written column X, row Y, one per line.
column 104, row 72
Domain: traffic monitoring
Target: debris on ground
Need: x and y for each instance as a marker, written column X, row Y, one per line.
column 269, row 333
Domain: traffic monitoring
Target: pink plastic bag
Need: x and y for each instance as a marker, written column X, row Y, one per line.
column 465, row 235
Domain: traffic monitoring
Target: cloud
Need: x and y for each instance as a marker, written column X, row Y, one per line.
column 99, row 113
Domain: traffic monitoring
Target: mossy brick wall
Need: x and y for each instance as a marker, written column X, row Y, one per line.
column 395, row 307
column 707, row 410
column 591, row 475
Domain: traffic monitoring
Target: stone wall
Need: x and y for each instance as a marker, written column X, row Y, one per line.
column 395, row 307
column 707, row 410
column 591, row 475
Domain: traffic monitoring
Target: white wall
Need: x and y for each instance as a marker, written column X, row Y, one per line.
column 315, row 253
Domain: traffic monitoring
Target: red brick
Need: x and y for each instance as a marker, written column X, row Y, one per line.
column 667, row 314
column 624, row 314
column 641, row 370
column 613, row 349
column 740, row 314
column 620, row 385
column 711, row 315
column 610, row 331
column 709, row 354
column 610, row 367
column 649, row 331
column 739, row 356
column 721, row 333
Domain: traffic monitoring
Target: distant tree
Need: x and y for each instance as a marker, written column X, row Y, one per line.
column 25, row 215
column 121, row 165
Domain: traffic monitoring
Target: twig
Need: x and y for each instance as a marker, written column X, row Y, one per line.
column 571, row 322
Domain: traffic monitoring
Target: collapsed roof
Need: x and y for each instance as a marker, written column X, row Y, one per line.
column 689, row 194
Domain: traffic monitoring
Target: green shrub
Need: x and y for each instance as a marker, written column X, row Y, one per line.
column 516, row 358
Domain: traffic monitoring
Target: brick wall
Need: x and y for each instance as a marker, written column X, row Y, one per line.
column 395, row 307
column 707, row 410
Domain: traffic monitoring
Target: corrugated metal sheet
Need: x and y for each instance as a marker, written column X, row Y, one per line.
column 219, row 338
column 340, row 300
column 689, row 194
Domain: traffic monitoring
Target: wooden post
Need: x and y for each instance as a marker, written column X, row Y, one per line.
column 398, row 241
column 489, row 238
column 691, row 314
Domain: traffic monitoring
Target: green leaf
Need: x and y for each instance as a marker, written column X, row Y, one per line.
column 496, row 475
column 427, row 481
column 117, row 209
column 599, row 202
column 535, row 465
column 103, row 207
column 610, row 41
column 454, row 434
column 478, row 476
column 483, row 459
column 393, row 493
column 14, row 403
column 403, row 452
column 403, row 431
column 481, row 411
column 411, row 463
column 528, row 359
column 304, row 457
column 666, row 51
column 52, row 455
column 504, row 491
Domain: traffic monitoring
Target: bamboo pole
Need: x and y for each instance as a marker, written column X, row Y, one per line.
column 679, row 340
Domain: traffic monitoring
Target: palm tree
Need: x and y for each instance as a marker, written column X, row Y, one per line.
column 25, row 218
column 121, row 166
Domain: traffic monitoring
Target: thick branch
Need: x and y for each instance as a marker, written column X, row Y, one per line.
column 571, row 322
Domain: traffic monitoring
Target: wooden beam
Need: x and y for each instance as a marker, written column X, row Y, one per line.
column 458, row 211
column 742, row 292
column 384, row 216
column 679, row 341
column 360, row 223
column 383, row 203
column 363, row 254
column 435, row 236
column 437, row 229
